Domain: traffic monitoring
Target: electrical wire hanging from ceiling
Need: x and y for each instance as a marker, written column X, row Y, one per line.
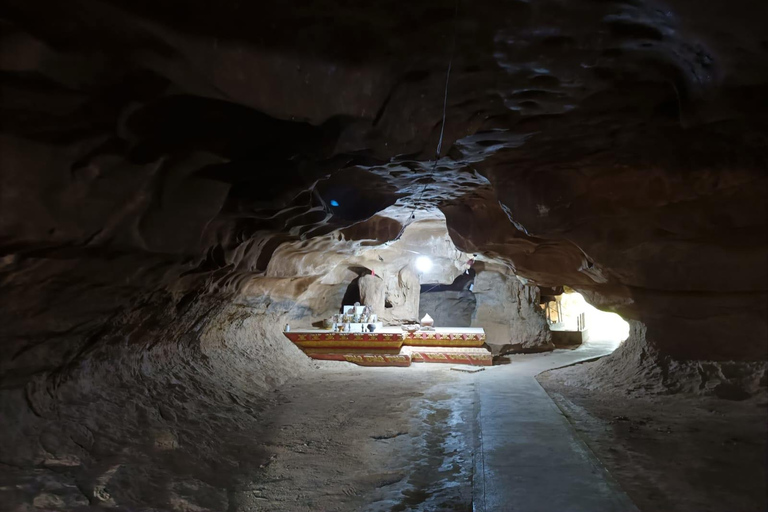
column 439, row 148
column 447, row 78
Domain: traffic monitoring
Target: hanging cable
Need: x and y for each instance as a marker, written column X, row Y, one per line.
column 439, row 148
column 447, row 79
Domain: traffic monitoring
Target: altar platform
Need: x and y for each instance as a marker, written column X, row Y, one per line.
column 475, row 356
column 447, row 337
column 391, row 346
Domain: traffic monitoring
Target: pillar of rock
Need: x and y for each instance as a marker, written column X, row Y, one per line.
column 372, row 293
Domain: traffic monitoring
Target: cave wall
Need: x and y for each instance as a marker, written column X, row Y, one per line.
column 157, row 411
column 638, row 368
column 509, row 312
column 166, row 178
column 373, row 293
column 448, row 308
column 168, row 146
column 402, row 293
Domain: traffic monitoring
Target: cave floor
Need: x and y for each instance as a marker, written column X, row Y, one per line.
column 423, row 438
column 428, row 438
column 682, row 453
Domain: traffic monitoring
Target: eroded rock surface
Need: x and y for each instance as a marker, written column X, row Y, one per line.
column 509, row 312
column 373, row 293
column 637, row 368
column 176, row 188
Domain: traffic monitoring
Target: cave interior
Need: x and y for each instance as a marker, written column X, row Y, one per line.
column 181, row 181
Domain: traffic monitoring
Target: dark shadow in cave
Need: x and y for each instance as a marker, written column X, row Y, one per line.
column 449, row 304
column 462, row 282
column 352, row 294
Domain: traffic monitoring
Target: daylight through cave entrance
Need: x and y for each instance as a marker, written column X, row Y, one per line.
column 570, row 316
column 420, row 299
column 327, row 256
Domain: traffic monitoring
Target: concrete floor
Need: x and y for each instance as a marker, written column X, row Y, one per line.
column 426, row 439
column 528, row 457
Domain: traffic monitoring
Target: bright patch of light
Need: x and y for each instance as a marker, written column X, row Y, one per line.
column 600, row 325
column 334, row 202
column 423, row 264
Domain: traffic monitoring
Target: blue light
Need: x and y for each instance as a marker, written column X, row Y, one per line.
column 334, row 202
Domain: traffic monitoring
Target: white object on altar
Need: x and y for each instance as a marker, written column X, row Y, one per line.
column 358, row 310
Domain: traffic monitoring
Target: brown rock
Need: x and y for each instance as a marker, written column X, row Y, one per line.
column 372, row 292
column 510, row 314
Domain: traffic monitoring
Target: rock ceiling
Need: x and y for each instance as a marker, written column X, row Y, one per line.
column 618, row 147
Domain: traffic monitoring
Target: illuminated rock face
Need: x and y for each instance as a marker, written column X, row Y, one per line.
column 176, row 189
column 403, row 295
column 498, row 302
column 373, row 293
column 510, row 314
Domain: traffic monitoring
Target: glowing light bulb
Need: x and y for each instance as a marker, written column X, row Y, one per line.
column 423, row 264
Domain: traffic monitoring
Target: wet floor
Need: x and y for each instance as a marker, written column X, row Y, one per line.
column 524, row 455
column 426, row 438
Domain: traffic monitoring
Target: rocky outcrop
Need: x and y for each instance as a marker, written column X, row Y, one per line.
column 402, row 296
column 509, row 312
column 637, row 368
column 165, row 178
column 372, row 293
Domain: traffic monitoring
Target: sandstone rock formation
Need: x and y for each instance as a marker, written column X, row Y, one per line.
column 638, row 368
column 448, row 307
column 403, row 291
column 175, row 188
column 509, row 312
column 372, row 293
column 499, row 302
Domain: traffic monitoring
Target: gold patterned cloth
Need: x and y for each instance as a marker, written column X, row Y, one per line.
column 447, row 337
column 394, row 347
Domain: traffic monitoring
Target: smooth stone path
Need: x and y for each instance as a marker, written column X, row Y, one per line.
column 528, row 458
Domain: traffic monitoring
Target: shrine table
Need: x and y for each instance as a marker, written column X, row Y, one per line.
column 447, row 337
column 391, row 346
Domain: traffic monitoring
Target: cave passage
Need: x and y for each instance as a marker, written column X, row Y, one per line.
column 448, row 299
column 384, row 256
column 569, row 312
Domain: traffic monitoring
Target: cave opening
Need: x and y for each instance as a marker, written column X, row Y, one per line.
column 192, row 206
column 352, row 292
column 465, row 308
column 573, row 320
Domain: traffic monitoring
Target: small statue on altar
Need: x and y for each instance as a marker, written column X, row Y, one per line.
column 427, row 323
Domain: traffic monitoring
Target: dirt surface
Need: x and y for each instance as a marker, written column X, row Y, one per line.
column 345, row 438
column 369, row 439
column 687, row 454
